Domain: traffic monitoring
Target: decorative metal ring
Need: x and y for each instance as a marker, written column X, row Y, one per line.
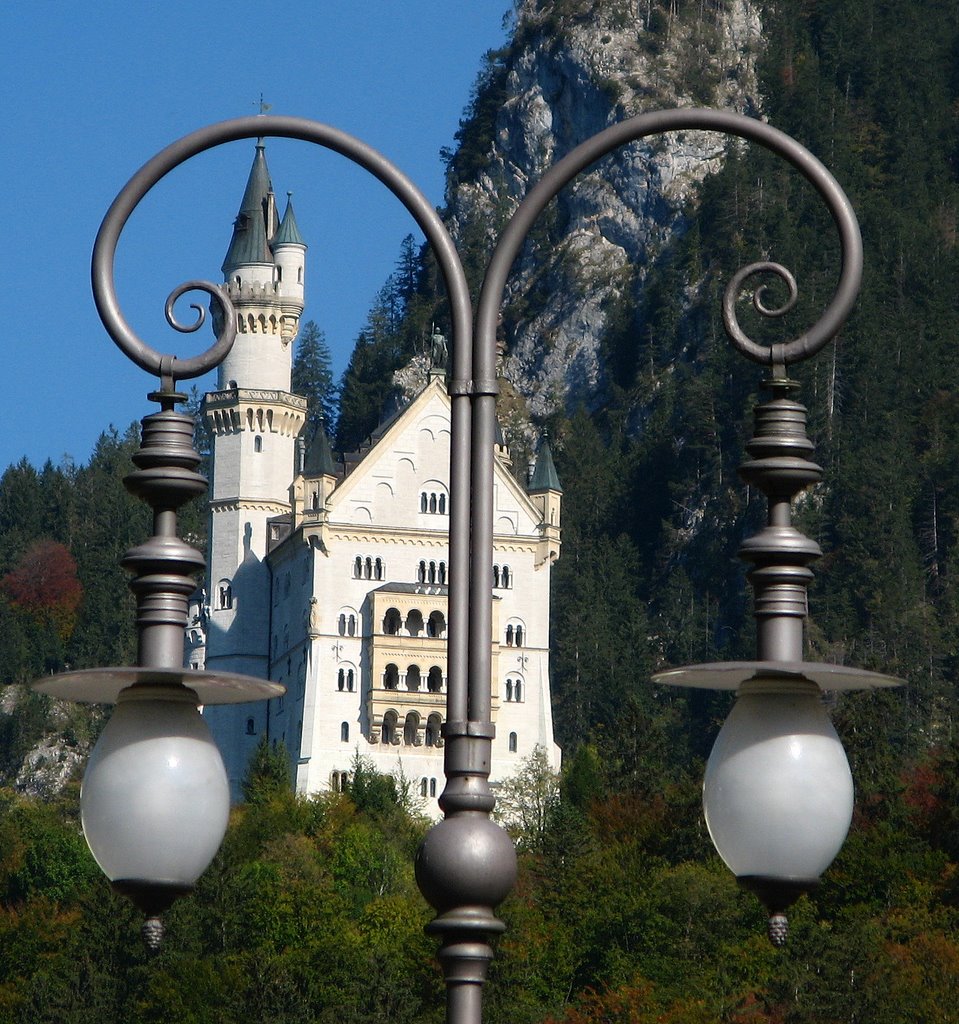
column 692, row 119
column 104, row 250
column 734, row 289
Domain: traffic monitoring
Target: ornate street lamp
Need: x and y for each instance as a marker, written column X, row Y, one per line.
column 777, row 774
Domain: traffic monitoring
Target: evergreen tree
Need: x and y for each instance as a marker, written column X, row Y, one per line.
column 313, row 379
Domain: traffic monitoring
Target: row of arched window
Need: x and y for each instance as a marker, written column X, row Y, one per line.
column 413, row 625
column 389, row 730
column 412, row 680
column 346, row 624
column 431, row 572
column 514, row 689
column 433, row 502
column 345, row 680
column 339, row 781
column 427, row 787
column 368, row 568
column 514, row 635
column 502, row 577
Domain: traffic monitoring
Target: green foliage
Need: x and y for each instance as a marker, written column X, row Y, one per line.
column 313, row 379
column 268, row 773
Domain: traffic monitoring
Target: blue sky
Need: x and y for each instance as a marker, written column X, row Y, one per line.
column 93, row 89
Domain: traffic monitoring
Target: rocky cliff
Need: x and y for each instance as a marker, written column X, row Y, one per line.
column 572, row 69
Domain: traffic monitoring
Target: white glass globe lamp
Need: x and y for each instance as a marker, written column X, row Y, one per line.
column 778, row 793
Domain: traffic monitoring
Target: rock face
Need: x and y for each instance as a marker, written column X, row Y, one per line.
column 572, row 70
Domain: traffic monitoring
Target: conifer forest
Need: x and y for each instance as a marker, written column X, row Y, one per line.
column 623, row 913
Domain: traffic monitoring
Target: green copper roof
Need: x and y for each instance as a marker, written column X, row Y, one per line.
column 250, row 230
column 545, row 477
column 319, row 455
column 288, row 233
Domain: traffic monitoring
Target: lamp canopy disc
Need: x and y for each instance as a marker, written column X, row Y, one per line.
column 103, row 685
column 730, row 675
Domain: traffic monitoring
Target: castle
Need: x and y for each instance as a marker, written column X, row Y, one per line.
column 331, row 577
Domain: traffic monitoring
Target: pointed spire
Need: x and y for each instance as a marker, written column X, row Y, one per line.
column 319, row 455
column 251, row 229
column 545, row 477
column 288, row 233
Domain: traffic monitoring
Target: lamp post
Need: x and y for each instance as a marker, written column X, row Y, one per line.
column 467, row 864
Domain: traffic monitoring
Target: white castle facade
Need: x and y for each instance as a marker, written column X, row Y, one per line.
column 332, row 578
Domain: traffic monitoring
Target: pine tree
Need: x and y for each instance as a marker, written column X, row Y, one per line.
column 313, row 378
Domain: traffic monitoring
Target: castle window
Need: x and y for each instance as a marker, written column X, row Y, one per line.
column 250, row 727
column 519, row 636
column 433, row 502
column 413, row 679
column 436, row 624
column 410, row 729
column 414, row 622
column 421, row 573
column 518, row 690
column 442, row 574
column 434, row 681
column 339, row 782
column 509, row 689
column 433, row 731
column 345, row 732
column 224, row 594
column 391, row 678
column 279, row 273
column 432, row 787
column 341, row 624
column 392, row 622
column 357, row 568
column 368, row 568
column 513, row 743
column 496, row 576
column 442, row 506
column 351, row 626
column 349, row 680
column 509, row 636
column 505, row 577
column 299, row 275
column 431, row 573
column 341, row 679
column 388, row 729
column 258, row 443
column 423, row 786
column 378, row 569
column 423, row 502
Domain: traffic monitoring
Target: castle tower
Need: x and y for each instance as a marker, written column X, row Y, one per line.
column 253, row 421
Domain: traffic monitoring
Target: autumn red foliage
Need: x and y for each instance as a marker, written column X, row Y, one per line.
column 44, row 584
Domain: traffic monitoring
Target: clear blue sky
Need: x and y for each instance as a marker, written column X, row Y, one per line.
column 91, row 90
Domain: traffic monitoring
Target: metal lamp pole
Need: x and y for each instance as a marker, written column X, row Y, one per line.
column 467, row 864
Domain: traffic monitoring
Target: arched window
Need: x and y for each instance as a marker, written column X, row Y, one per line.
column 505, row 577
column 357, row 567
column 341, row 624
column 442, row 504
column 258, row 443
column 224, row 594
column 433, row 724
column 349, row 680
column 341, row 679
column 513, row 743
column 345, row 732
column 509, row 636
column 378, row 569
column 518, row 690
column 432, row 787
column 509, row 689
column 388, row 729
column 442, row 574
column 368, row 568
column 432, row 503
column 351, row 626
column 421, row 573
column 423, row 786
column 423, row 506
column 413, row 679
column 431, row 574
column 519, row 636
column 434, row 681
column 436, row 624
column 250, row 727
column 495, row 575
column 391, row 677
column 410, row 729
column 414, row 622
column 392, row 622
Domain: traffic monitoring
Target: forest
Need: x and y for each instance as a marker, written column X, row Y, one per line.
column 623, row 913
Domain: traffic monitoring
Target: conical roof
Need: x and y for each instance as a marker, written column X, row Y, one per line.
column 319, row 455
column 288, row 233
column 250, row 242
column 545, row 477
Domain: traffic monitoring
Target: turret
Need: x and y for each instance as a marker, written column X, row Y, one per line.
column 289, row 254
column 546, row 494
